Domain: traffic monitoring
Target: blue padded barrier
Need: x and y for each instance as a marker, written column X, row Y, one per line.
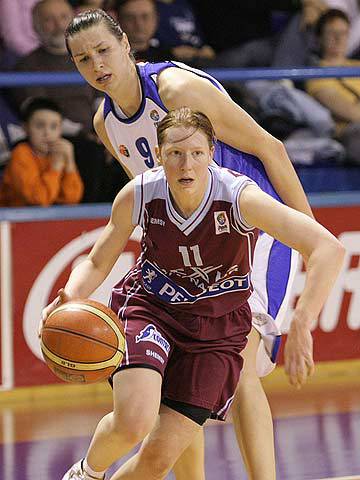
column 15, row 79
column 73, row 212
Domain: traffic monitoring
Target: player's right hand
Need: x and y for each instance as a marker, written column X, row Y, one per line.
column 62, row 297
column 298, row 354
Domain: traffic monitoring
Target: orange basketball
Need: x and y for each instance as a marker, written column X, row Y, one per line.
column 83, row 341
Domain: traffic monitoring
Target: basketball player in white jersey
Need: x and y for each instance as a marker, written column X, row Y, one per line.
column 184, row 332
column 136, row 98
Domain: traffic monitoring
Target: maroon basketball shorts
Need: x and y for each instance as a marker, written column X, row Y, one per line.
column 198, row 357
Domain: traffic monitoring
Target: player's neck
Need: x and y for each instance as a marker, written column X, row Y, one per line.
column 129, row 94
column 187, row 202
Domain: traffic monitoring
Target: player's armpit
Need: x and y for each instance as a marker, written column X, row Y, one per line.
column 100, row 130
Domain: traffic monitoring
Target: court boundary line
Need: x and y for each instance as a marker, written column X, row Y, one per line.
column 355, row 477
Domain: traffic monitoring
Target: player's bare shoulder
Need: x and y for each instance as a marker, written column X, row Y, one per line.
column 175, row 85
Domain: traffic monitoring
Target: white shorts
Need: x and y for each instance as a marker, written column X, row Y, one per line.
column 273, row 272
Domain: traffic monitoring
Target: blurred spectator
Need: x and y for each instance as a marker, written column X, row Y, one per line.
column 50, row 18
column 179, row 29
column 42, row 170
column 16, row 26
column 139, row 19
column 245, row 36
column 340, row 95
column 298, row 44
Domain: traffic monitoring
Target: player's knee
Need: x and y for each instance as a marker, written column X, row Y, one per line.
column 133, row 428
column 159, row 460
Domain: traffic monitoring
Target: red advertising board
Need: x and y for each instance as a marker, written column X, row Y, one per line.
column 44, row 253
column 337, row 331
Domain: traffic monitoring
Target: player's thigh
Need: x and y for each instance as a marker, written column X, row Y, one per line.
column 249, row 354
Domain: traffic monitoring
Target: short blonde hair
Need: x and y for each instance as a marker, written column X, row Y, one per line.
column 185, row 117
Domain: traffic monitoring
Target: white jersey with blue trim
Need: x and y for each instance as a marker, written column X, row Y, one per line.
column 134, row 138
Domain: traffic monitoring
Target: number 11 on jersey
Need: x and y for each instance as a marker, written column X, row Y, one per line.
column 195, row 254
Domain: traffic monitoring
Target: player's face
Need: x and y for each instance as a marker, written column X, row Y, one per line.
column 185, row 156
column 101, row 58
column 43, row 128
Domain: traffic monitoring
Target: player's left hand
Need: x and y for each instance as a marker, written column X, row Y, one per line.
column 299, row 363
column 62, row 297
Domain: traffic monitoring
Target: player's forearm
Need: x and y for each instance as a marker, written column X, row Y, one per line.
column 284, row 178
column 323, row 267
column 84, row 280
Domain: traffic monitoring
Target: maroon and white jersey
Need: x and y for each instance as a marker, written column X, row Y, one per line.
column 199, row 264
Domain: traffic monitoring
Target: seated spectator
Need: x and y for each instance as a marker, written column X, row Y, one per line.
column 50, row 18
column 16, row 26
column 298, row 44
column 139, row 19
column 340, row 95
column 42, row 170
column 179, row 29
column 245, row 36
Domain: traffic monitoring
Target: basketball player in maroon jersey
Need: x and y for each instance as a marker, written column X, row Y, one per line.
column 136, row 98
column 184, row 304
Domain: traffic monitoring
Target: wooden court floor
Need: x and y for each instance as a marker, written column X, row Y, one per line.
column 317, row 429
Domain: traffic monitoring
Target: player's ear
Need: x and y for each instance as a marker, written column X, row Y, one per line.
column 212, row 151
column 158, row 156
column 126, row 43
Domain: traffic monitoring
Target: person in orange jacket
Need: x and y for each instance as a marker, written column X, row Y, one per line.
column 42, row 169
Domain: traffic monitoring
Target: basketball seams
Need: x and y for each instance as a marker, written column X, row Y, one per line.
column 74, row 305
column 79, row 366
column 82, row 335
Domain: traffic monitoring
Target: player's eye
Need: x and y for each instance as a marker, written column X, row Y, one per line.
column 84, row 59
column 103, row 50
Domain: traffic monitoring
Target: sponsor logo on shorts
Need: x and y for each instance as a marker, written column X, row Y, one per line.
column 151, row 334
column 151, row 353
column 222, row 224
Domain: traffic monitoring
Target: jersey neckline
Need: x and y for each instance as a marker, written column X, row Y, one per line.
column 141, row 108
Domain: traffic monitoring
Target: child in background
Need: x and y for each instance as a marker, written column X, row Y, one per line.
column 42, row 169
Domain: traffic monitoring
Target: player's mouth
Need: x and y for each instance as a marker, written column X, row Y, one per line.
column 103, row 79
column 186, row 181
